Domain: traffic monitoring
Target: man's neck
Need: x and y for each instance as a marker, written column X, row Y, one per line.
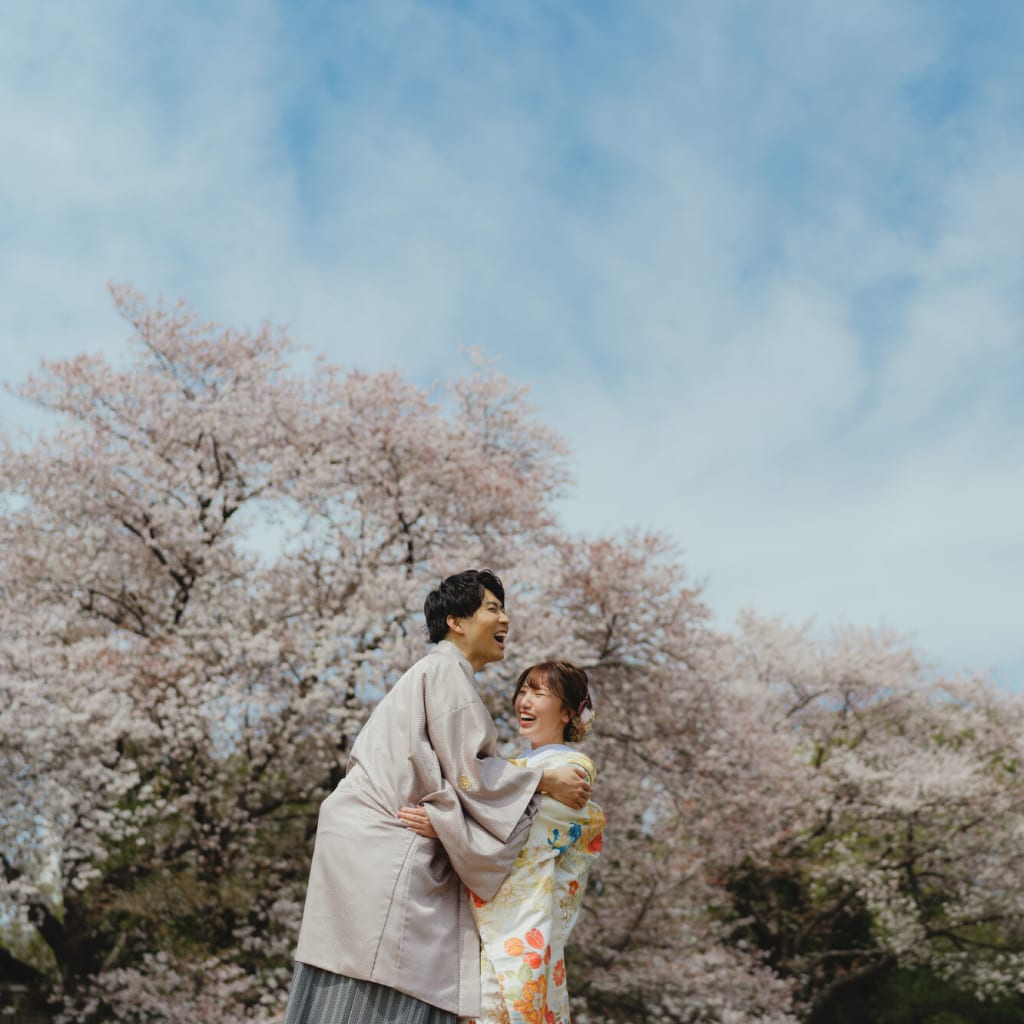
column 454, row 641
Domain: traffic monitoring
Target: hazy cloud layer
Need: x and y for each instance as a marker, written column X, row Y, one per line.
column 761, row 265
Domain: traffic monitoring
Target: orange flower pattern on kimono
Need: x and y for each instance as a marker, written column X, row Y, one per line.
column 523, row 930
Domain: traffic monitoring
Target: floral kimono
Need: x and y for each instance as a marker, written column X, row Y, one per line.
column 524, row 928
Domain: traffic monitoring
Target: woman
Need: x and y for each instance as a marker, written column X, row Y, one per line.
column 524, row 928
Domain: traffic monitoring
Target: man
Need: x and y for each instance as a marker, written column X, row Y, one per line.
column 387, row 934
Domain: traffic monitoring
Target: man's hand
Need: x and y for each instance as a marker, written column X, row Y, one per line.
column 415, row 819
column 568, row 785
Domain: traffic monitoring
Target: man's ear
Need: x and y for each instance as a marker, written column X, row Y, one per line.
column 454, row 624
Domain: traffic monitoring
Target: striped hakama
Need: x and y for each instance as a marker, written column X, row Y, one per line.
column 320, row 997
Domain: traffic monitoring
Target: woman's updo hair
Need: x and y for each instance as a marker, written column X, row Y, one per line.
column 569, row 683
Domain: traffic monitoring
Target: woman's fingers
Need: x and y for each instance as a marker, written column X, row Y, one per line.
column 585, row 788
column 417, row 820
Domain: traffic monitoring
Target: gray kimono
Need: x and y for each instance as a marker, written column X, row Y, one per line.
column 384, row 904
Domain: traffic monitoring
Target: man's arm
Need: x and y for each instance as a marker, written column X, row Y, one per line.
column 569, row 785
column 483, row 807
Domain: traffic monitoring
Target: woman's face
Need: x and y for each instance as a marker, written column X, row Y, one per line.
column 541, row 715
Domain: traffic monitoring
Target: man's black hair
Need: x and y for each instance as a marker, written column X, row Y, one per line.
column 459, row 595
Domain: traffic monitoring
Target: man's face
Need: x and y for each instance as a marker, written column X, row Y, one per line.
column 481, row 638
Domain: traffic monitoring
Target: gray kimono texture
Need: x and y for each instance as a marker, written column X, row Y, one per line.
column 384, row 904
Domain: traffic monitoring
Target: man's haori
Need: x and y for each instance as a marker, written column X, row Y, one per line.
column 384, row 904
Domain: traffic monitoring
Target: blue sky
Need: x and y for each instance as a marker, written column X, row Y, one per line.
column 761, row 264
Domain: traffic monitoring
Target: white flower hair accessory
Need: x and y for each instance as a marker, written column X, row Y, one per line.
column 582, row 720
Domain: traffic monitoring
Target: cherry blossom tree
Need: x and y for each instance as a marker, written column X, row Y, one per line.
column 212, row 566
column 909, row 854
column 679, row 757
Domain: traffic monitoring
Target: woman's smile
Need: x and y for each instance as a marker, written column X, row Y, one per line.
column 541, row 715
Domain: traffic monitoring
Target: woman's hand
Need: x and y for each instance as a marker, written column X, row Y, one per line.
column 415, row 818
column 569, row 785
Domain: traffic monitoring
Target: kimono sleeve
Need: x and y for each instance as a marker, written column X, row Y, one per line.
column 572, row 867
column 484, row 807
